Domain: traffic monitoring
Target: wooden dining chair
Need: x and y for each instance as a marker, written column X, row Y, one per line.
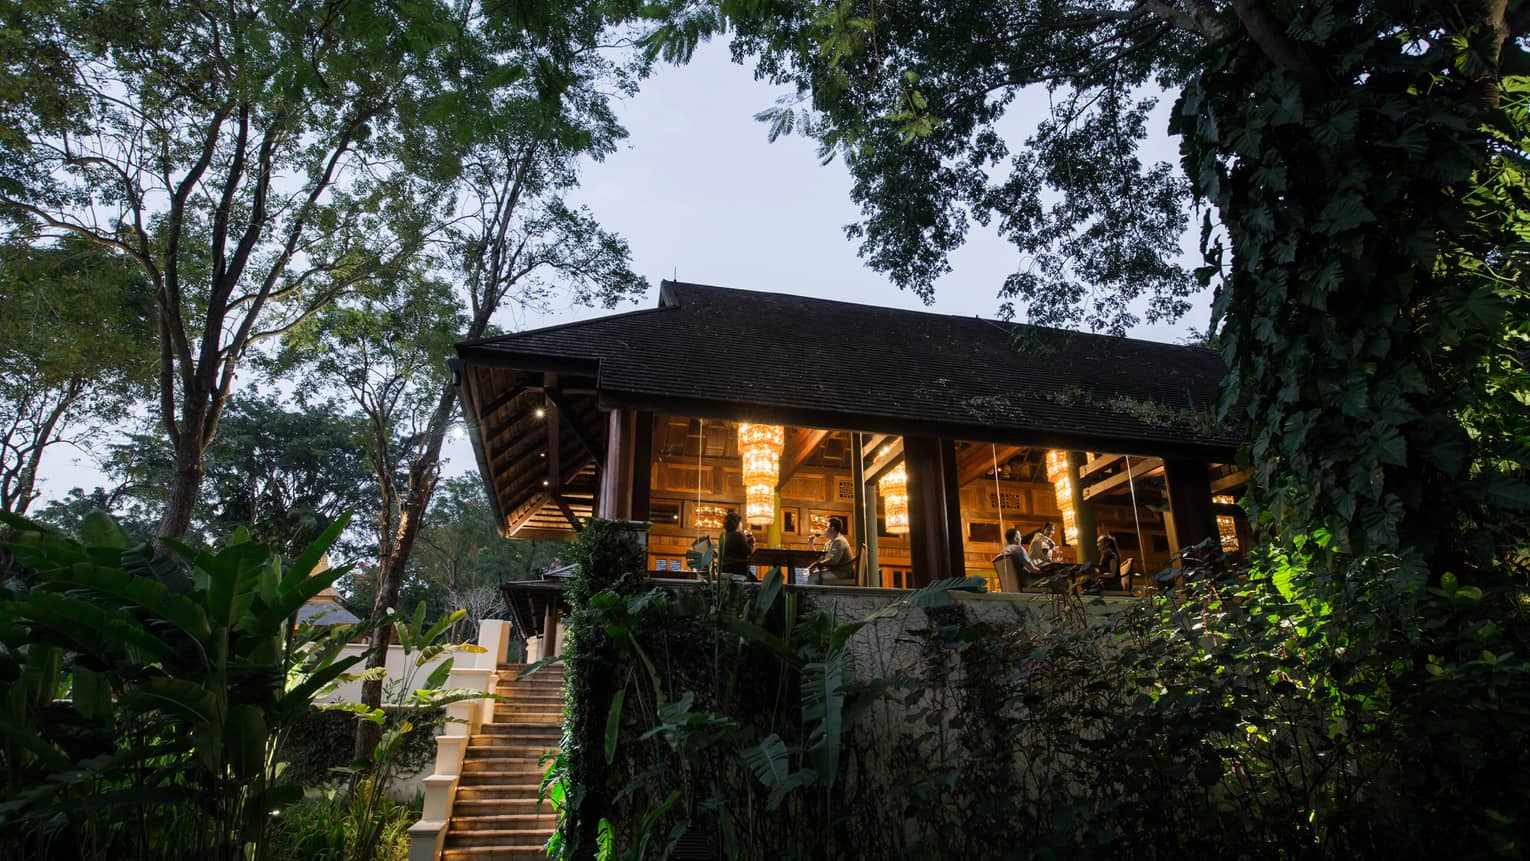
column 1009, row 578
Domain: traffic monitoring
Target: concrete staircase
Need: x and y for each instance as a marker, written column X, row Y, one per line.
column 495, row 815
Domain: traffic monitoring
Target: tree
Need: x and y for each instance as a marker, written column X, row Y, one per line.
column 1367, row 164
column 462, row 554
column 255, row 159
column 76, row 330
column 512, row 239
column 285, row 475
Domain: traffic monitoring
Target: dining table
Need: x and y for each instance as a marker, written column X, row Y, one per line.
column 793, row 560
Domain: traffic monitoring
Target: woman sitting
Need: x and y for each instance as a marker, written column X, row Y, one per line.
column 836, row 567
column 738, row 544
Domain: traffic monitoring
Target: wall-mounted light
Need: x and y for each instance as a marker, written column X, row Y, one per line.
column 539, row 413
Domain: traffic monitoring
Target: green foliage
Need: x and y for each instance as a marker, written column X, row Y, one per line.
column 321, row 827
column 716, row 713
column 1366, row 162
column 284, row 474
column 1374, row 307
column 76, row 342
column 145, row 696
column 321, row 745
column 1269, row 712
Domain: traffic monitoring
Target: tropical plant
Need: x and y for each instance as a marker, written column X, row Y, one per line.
column 683, row 702
column 414, row 705
column 145, row 696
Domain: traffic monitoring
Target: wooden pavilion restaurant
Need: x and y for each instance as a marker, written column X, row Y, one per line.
column 929, row 434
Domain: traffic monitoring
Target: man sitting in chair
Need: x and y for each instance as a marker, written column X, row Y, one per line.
column 836, row 567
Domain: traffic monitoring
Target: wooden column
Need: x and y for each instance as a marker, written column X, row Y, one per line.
column 1189, row 484
column 1083, row 512
column 640, row 479
column 550, row 628
column 615, row 501
column 934, row 507
column 864, row 526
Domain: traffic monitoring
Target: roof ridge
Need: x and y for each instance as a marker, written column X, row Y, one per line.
column 680, row 287
column 478, row 342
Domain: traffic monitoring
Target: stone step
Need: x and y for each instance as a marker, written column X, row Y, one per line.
column 530, row 777
column 507, row 745
column 503, row 790
column 493, row 761
column 554, row 700
column 502, row 838
column 493, row 853
column 530, row 731
column 545, row 820
column 509, row 715
column 501, row 806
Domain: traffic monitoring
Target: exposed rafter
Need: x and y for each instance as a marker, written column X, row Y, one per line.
column 1140, row 467
column 799, row 447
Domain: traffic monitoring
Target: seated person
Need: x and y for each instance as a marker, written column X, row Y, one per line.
column 836, row 567
column 1042, row 544
column 738, row 544
column 1110, row 562
column 1014, row 548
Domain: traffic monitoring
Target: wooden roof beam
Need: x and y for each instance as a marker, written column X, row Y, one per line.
column 889, row 456
column 799, row 446
column 1140, row 467
column 1231, row 480
column 873, row 441
column 527, row 513
column 571, row 417
column 974, row 461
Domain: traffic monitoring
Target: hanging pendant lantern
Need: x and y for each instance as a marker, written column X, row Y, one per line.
column 760, row 447
column 1227, row 528
column 1061, row 476
column 894, row 489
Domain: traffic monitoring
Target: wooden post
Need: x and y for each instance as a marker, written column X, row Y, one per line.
column 640, row 477
column 862, row 525
column 934, row 507
column 1189, row 484
column 550, row 628
column 616, row 473
column 1083, row 512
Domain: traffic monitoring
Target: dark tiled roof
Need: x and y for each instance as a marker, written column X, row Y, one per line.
column 325, row 613
column 881, row 369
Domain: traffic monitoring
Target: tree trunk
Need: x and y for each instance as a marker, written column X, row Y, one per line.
column 390, row 572
column 185, row 484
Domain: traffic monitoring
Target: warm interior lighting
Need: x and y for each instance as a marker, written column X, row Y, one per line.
column 894, row 489
column 1062, row 485
column 709, row 516
column 539, row 412
column 1227, row 528
column 760, row 447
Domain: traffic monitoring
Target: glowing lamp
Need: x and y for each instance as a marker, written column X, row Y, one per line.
column 1227, row 528
column 894, row 490
column 760, row 447
column 709, row 516
column 1061, row 476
